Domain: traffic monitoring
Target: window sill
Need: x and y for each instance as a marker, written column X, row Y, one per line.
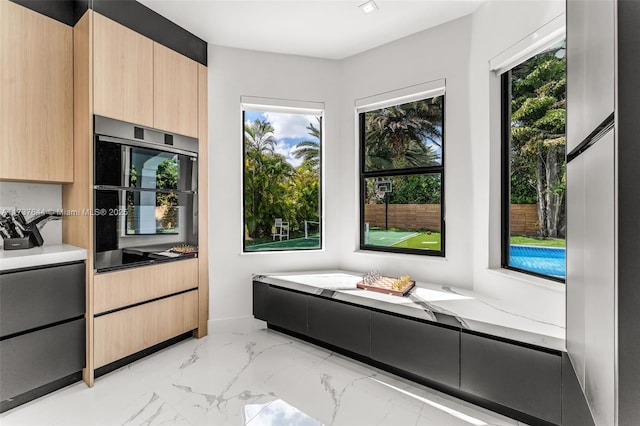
column 253, row 253
column 529, row 279
column 387, row 254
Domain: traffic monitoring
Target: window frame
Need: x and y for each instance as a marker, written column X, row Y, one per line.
column 505, row 178
column 413, row 171
column 245, row 106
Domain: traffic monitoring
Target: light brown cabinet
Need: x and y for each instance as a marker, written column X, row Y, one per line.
column 126, row 332
column 123, row 75
column 36, row 96
column 122, row 72
column 140, row 81
column 118, row 289
column 175, row 92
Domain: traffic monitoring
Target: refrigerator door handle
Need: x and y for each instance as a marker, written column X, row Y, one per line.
column 593, row 137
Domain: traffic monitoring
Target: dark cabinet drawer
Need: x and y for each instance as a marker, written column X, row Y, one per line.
column 287, row 309
column 342, row 325
column 41, row 357
column 260, row 300
column 422, row 349
column 521, row 378
column 30, row 299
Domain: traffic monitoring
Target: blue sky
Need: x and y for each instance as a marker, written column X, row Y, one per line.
column 290, row 129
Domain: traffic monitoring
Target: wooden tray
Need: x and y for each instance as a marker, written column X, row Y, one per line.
column 184, row 249
column 383, row 285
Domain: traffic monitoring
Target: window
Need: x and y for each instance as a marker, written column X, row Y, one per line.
column 282, row 180
column 533, row 165
column 402, row 177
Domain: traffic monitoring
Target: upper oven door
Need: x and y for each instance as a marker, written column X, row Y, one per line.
column 133, row 164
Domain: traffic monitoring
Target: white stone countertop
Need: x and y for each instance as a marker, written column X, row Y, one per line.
column 456, row 307
column 40, row 256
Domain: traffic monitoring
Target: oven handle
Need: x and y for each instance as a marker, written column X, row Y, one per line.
column 149, row 145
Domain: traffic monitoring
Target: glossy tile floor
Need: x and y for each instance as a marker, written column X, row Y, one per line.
column 244, row 374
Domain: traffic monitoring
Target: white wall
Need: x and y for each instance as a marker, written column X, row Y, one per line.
column 34, row 199
column 458, row 51
column 497, row 25
column 234, row 73
column 437, row 53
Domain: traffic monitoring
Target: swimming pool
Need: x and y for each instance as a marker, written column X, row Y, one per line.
column 543, row 260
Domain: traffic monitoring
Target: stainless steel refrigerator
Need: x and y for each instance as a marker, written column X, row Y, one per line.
column 603, row 205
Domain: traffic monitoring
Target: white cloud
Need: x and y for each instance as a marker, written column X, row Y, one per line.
column 290, row 125
column 286, row 150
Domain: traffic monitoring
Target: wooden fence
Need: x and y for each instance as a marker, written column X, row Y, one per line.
column 524, row 217
column 404, row 216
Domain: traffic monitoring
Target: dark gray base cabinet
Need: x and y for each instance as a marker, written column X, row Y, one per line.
column 517, row 377
column 345, row 326
column 38, row 297
column 518, row 380
column 418, row 348
column 42, row 331
column 287, row 309
column 41, row 357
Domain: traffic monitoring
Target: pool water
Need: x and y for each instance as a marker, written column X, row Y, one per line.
column 543, row 260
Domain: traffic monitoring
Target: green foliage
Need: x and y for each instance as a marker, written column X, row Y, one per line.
column 309, row 150
column 538, row 120
column 167, row 178
column 403, row 136
column 259, row 137
column 415, row 189
column 275, row 189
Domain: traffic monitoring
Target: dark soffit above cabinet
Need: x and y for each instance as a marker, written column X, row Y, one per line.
column 131, row 14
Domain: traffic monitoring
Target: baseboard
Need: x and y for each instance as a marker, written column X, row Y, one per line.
column 237, row 324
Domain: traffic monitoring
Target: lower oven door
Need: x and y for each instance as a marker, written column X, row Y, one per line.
column 129, row 221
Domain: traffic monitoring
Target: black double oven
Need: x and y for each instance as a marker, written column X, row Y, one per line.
column 145, row 195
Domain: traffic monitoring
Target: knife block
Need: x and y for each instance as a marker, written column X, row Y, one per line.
column 18, row 243
column 31, row 239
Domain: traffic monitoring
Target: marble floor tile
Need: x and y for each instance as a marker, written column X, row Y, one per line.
column 248, row 375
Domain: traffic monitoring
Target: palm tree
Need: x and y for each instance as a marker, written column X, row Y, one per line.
column 309, row 150
column 259, row 136
column 259, row 145
column 402, row 136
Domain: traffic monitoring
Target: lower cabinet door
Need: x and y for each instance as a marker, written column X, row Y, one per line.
column 527, row 380
column 416, row 347
column 128, row 331
column 342, row 325
column 38, row 297
column 113, row 290
column 287, row 309
column 41, row 357
column 260, row 300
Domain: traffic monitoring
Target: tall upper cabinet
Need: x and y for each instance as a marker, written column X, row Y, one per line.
column 175, row 92
column 140, row 81
column 122, row 73
column 36, row 96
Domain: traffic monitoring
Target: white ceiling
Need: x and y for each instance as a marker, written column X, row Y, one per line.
column 332, row 29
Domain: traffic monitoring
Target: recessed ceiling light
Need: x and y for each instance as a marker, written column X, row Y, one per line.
column 369, row 6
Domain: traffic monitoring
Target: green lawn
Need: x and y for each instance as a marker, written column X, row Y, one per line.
column 404, row 239
column 380, row 237
column 294, row 243
column 543, row 242
column 421, row 241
